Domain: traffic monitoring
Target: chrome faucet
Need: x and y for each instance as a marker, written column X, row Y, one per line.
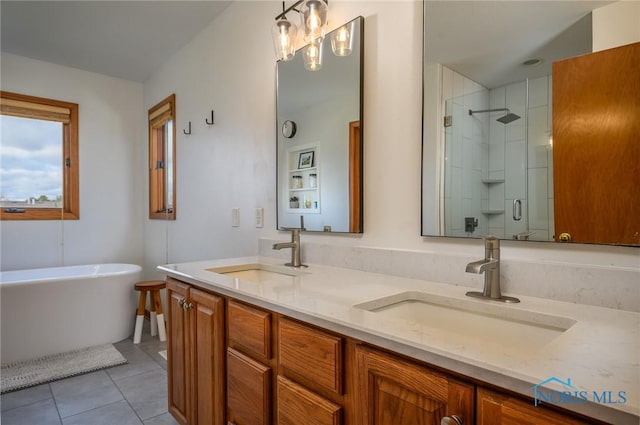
column 294, row 244
column 490, row 266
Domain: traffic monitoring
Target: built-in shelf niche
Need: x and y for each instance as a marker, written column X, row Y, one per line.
column 307, row 193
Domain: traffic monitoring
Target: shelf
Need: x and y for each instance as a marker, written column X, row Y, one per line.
column 492, row 181
column 304, row 210
column 304, row 189
column 492, row 212
column 302, row 170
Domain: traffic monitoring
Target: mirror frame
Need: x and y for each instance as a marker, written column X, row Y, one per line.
column 430, row 194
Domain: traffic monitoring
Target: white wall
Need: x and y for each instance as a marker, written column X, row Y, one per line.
column 110, row 190
column 230, row 67
column 616, row 24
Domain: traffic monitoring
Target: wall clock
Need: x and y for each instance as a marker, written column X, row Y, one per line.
column 289, row 129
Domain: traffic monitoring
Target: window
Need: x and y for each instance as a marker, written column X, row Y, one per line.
column 39, row 158
column 162, row 153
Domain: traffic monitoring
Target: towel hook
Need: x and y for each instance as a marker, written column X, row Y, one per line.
column 207, row 119
column 185, row 132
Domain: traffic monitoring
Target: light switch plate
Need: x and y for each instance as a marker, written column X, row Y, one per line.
column 259, row 217
column 235, row 217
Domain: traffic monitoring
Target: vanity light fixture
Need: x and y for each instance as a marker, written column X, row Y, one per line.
column 314, row 18
column 313, row 55
column 342, row 40
column 313, row 14
column 284, row 37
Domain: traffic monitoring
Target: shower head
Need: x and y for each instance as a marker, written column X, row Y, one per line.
column 505, row 119
column 510, row 117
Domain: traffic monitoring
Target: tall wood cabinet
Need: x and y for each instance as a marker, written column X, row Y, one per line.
column 195, row 346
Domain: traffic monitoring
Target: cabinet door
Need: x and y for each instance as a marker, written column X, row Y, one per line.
column 500, row 409
column 297, row 405
column 392, row 391
column 178, row 351
column 207, row 351
column 248, row 390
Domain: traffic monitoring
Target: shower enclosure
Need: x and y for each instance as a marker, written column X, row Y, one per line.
column 497, row 169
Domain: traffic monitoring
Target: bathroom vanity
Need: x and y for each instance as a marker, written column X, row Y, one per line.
column 251, row 341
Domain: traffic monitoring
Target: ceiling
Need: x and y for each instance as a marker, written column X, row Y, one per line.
column 124, row 39
column 487, row 41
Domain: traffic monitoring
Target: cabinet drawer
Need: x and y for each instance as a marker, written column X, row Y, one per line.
column 311, row 353
column 249, row 329
column 248, row 390
column 297, row 405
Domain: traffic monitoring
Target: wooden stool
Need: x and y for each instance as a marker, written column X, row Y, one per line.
column 157, row 318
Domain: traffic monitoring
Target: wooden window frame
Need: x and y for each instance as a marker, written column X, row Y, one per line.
column 159, row 115
column 66, row 113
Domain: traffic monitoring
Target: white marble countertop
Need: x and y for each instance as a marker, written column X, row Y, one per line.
column 600, row 352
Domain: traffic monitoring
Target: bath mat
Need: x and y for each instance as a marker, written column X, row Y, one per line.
column 24, row 374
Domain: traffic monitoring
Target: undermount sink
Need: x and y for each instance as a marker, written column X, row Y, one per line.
column 471, row 320
column 259, row 273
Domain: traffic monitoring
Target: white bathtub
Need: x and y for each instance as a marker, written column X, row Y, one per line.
column 53, row 310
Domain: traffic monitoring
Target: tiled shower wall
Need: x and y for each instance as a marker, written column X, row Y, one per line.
column 466, row 154
column 540, row 160
column 489, row 165
column 508, row 160
column 520, row 153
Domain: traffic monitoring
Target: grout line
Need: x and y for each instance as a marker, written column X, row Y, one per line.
column 92, row 409
column 126, row 399
column 28, row 404
column 55, row 403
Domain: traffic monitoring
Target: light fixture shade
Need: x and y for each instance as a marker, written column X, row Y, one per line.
column 313, row 55
column 314, row 19
column 342, row 40
column 284, row 39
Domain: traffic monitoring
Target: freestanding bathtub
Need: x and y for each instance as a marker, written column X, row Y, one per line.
column 54, row 310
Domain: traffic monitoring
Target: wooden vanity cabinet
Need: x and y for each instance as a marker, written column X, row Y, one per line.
column 195, row 360
column 393, row 391
column 495, row 408
column 249, row 365
column 270, row 369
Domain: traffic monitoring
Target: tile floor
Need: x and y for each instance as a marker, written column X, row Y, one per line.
column 131, row 394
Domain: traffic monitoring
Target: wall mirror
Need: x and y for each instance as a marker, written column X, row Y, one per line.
column 319, row 142
column 487, row 126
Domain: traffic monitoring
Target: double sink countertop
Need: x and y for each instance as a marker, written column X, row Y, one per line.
column 538, row 344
